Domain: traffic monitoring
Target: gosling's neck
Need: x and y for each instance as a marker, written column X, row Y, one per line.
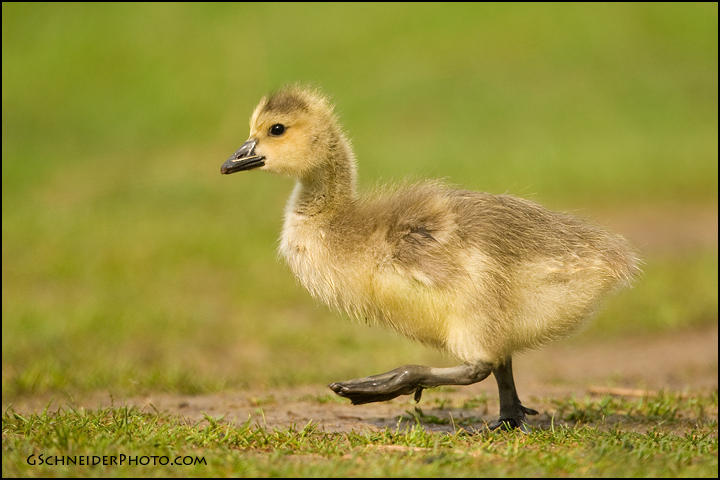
column 325, row 189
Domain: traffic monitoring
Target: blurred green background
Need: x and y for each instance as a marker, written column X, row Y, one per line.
column 130, row 265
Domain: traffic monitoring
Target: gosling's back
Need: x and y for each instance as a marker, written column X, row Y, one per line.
column 478, row 275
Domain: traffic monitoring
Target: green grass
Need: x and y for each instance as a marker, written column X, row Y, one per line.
column 588, row 440
column 130, row 266
column 570, row 102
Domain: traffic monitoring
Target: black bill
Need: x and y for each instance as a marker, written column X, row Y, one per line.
column 244, row 159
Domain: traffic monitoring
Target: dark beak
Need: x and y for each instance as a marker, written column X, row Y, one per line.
column 244, row 159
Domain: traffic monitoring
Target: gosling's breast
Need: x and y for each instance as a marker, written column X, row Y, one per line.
column 331, row 271
column 356, row 272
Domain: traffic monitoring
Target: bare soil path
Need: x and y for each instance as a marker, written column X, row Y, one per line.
column 679, row 362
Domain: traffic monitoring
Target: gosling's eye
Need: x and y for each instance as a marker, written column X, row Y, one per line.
column 277, row 130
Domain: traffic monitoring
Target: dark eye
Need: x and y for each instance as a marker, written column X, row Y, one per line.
column 277, row 130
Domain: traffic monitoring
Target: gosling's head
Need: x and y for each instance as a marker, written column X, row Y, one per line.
column 293, row 132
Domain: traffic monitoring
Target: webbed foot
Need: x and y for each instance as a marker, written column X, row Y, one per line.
column 517, row 420
column 408, row 379
column 380, row 388
column 512, row 413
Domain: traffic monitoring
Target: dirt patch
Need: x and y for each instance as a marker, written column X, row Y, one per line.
column 672, row 229
column 680, row 362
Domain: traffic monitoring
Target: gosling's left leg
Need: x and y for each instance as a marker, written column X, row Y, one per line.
column 409, row 379
column 512, row 412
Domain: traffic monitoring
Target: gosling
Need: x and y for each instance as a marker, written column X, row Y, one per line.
column 479, row 276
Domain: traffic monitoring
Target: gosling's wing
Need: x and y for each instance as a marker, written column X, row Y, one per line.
column 424, row 236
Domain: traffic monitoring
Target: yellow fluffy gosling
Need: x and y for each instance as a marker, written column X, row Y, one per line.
column 477, row 275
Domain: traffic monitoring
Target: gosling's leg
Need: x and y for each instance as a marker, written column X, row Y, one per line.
column 512, row 413
column 409, row 379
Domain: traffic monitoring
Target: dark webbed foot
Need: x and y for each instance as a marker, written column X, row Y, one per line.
column 518, row 420
column 406, row 380
column 359, row 393
column 380, row 388
column 414, row 378
column 512, row 413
